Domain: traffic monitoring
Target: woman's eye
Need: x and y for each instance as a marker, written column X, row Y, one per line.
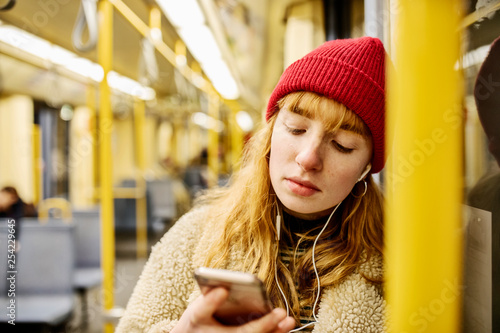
column 341, row 148
column 295, row 131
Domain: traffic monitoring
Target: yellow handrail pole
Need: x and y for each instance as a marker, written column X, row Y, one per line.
column 141, row 210
column 424, row 171
column 213, row 141
column 236, row 136
column 162, row 48
column 480, row 13
column 91, row 98
column 155, row 18
column 105, row 56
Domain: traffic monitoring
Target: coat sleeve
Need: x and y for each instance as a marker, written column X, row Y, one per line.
column 161, row 294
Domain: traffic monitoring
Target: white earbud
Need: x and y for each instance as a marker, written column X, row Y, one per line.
column 368, row 168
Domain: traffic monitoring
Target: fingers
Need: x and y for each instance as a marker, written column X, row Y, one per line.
column 208, row 304
column 274, row 322
column 286, row 325
column 202, row 310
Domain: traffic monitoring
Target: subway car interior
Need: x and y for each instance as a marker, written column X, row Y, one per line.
column 116, row 115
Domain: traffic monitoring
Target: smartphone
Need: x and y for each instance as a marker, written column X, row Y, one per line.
column 247, row 299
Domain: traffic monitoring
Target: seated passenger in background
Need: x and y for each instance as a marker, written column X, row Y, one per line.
column 11, row 205
column 307, row 172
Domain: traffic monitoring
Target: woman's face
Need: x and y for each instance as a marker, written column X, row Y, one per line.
column 311, row 168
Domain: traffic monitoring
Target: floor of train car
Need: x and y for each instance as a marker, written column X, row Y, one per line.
column 127, row 270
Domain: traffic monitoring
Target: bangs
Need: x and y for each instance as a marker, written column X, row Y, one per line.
column 331, row 113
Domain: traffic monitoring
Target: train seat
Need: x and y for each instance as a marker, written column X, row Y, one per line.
column 88, row 273
column 44, row 272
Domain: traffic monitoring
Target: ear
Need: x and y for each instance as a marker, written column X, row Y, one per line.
column 363, row 175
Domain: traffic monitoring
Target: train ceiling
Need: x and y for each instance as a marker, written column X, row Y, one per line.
column 248, row 27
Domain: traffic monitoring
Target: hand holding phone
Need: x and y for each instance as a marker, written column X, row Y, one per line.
column 247, row 299
column 199, row 317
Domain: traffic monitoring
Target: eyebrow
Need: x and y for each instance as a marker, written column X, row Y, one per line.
column 298, row 110
column 347, row 127
column 302, row 112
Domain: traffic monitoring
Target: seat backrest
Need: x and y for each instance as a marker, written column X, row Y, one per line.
column 46, row 258
column 87, row 238
column 162, row 197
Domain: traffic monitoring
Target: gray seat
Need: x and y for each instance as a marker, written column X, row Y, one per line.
column 161, row 206
column 44, row 272
column 163, row 202
column 125, row 210
column 88, row 273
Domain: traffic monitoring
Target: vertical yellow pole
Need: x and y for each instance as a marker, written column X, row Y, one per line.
column 141, row 209
column 236, row 136
column 105, row 56
column 155, row 18
column 213, row 141
column 424, row 172
column 180, row 48
column 37, row 169
column 173, row 149
column 180, row 56
column 93, row 131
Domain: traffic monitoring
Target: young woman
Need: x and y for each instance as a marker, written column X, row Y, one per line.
column 303, row 213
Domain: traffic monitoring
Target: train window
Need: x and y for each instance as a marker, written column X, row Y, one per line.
column 54, row 151
column 482, row 176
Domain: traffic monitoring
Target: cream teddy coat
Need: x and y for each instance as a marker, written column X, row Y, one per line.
column 166, row 286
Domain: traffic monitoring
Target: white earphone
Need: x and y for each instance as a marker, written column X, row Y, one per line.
column 367, row 169
column 318, row 293
column 278, row 236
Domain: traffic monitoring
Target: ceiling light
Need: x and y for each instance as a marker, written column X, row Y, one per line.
column 129, row 86
column 207, row 122
column 244, row 121
column 218, row 72
column 189, row 20
column 56, row 55
column 182, row 13
column 201, row 42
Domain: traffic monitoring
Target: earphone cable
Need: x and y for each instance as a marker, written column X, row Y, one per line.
column 278, row 227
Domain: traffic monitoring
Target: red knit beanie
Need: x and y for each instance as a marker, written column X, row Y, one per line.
column 349, row 71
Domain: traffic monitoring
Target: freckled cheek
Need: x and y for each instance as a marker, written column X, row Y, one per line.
column 345, row 175
column 282, row 150
column 276, row 159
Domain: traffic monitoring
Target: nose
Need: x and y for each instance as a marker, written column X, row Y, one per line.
column 310, row 158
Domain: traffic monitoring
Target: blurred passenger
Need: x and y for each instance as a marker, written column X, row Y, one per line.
column 307, row 172
column 485, row 194
column 11, row 205
column 195, row 176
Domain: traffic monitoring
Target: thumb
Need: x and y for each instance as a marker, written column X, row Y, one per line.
column 210, row 303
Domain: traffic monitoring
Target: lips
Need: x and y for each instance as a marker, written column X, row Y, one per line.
column 302, row 187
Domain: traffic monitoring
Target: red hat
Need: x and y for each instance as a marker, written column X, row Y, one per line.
column 350, row 71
